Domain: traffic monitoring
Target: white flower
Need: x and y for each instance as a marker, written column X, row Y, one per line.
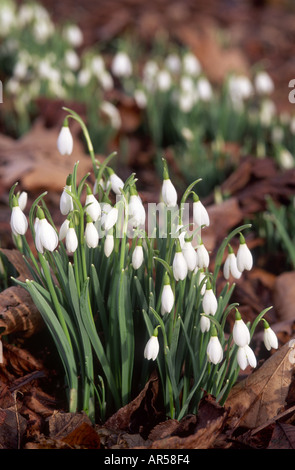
column 241, row 333
column 72, row 60
column 214, row 350
column 205, row 324
column 191, row 64
column 169, row 193
column 167, row 297
column 263, row 83
column 286, row 159
column 201, row 277
column 204, row 89
column 151, row 349
column 179, row 266
column 190, row 255
column 230, row 266
column 18, row 220
column 164, row 80
column 203, row 256
column 116, row 183
column 73, row 35
column 200, row 214
column 245, row 357
column 91, row 235
column 71, row 239
column 244, row 256
column 112, row 113
column 137, row 257
column 45, row 235
column 92, row 207
column 140, row 98
column 122, row 65
column 209, row 301
column 63, row 229
column 173, row 63
column 111, row 219
column 66, row 202
column 108, row 245
column 22, row 200
column 65, row 141
column 269, row 337
column 136, row 211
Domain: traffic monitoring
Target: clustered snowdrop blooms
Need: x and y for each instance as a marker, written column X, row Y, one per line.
column 120, row 302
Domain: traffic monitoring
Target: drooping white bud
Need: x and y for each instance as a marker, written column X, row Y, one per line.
column 152, row 347
column 204, row 324
column 179, row 264
column 63, row 229
column 203, row 256
column 200, row 214
column 66, row 201
column 137, row 257
column 244, row 256
column 214, row 349
column 116, row 183
column 111, row 219
column 209, row 301
column 71, row 239
column 263, row 83
column 91, row 234
column 18, row 220
column 167, row 297
column 92, row 206
column 45, row 235
column 269, row 337
column 122, row 65
column 190, row 255
column 65, row 141
column 241, row 333
column 109, row 245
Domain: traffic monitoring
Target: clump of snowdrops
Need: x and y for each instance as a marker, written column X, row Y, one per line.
column 125, row 291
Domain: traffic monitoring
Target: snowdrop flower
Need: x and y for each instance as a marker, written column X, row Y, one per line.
column 22, row 200
column 46, row 237
column 245, row 357
column 200, row 214
column 214, row 348
column 107, row 84
column 112, row 113
column 267, row 112
column 191, row 64
column 136, row 211
column 71, row 239
column 169, row 193
column 241, row 333
column 97, row 65
column 209, row 301
column 167, row 297
column 204, row 89
column 179, row 264
column 230, row 265
column 63, row 229
column 173, row 63
column 116, row 183
column 137, row 256
column 109, row 245
column 152, row 347
column 203, row 256
column 205, row 324
column 140, row 98
column 92, row 206
column 72, row 60
column 121, row 65
column 73, row 35
column 201, row 277
column 91, row 233
column 263, row 83
column 164, row 80
column 18, row 220
column 190, row 255
column 66, row 204
column 286, row 159
column 111, row 219
column 269, row 337
column 65, row 141
column 244, row 256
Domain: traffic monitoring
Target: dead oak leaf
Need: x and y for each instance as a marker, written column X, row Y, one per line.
column 262, row 395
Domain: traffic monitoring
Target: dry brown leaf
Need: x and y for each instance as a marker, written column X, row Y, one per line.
column 283, row 437
column 284, row 296
column 18, row 313
column 262, row 395
column 83, row 437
